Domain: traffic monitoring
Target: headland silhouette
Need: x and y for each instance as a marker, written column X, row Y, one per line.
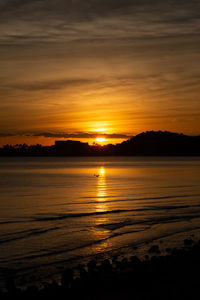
column 152, row 143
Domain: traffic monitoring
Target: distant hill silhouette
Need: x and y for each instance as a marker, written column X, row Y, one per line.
column 146, row 143
column 161, row 143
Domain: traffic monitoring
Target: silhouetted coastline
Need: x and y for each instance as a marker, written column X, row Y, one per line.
column 168, row 276
column 150, row 143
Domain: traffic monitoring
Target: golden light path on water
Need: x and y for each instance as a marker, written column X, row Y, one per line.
column 101, row 190
column 101, row 206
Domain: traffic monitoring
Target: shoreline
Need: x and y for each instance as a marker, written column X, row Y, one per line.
column 122, row 277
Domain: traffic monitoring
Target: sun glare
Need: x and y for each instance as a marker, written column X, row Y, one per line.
column 100, row 139
column 102, row 171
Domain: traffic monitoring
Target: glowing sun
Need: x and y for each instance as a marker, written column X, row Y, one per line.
column 101, row 139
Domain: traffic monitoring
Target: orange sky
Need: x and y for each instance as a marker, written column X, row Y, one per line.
column 123, row 67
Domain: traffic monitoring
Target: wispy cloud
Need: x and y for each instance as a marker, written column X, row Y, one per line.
column 71, row 63
column 49, row 85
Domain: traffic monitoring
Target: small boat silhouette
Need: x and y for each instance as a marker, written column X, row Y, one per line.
column 96, row 175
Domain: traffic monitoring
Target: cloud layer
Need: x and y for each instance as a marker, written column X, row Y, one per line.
column 32, row 22
column 73, row 66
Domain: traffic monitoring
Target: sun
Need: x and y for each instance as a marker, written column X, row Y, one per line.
column 100, row 139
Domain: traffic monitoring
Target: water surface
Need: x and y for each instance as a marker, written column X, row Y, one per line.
column 57, row 212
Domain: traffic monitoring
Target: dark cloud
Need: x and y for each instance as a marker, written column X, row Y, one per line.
column 49, row 85
column 25, row 21
column 91, row 7
column 79, row 135
column 83, row 135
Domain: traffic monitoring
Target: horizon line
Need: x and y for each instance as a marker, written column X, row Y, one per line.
column 95, row 143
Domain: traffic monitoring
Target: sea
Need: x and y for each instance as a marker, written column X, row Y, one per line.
column 59, row 212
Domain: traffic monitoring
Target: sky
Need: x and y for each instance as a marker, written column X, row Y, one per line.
column 74, row 69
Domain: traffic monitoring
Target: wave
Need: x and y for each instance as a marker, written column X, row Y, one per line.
column 130, row 199
column 117, row 211
column 108, row 226
column 20, row 219
column 10, row 222
column 57, row 217
column 54, row 252
column 149, row 222
column 62, row 251
column 27, row 233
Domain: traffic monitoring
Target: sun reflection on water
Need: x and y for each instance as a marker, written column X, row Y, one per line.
column 101, row 191
column 102, row 206
column 102, row 171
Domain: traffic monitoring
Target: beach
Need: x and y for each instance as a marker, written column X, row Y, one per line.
column 170, row 276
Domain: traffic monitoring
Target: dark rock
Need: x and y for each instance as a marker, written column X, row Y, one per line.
column 106, row 266
column 92, row 265
column 188, row 242
column 135, row 260
column 168, row 250
column 66, row 277
column 154, row 249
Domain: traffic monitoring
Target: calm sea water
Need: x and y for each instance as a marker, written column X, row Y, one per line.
column 58, row 212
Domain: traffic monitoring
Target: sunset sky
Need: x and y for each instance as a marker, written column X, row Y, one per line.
column 87, row 69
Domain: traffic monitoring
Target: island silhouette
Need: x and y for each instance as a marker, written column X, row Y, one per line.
column 149, row 143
